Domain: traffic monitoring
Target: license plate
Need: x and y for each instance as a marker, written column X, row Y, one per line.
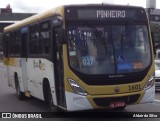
column 117, row 104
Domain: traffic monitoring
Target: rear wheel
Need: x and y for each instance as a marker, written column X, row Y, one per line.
column 20, row 94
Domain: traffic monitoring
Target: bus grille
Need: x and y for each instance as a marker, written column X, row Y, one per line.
column 105, row 102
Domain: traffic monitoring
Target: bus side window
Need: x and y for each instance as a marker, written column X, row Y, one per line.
column 5, row 46
column 17, row 43
column 11, row 44
column 14, row 43
column 45, row 37
column 34, row 40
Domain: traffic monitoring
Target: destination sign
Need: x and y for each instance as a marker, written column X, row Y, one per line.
column 105, row 14
column 111, row 13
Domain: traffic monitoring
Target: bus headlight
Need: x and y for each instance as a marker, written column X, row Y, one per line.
column 76, row 88
column 150, row 82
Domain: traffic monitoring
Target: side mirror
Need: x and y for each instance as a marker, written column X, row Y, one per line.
column 57, row 21
column 57, row 24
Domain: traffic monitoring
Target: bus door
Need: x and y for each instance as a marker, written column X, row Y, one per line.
column 58, row 66
column 24, row 57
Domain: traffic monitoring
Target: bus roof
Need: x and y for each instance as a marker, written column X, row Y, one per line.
column 34, row 18
column 59, row 10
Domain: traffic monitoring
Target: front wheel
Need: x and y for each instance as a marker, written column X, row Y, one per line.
column 52, row 107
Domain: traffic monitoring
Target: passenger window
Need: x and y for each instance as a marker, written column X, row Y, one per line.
column 34, row 40
column 17, row 43
column 45, row 37
column 6, row 44
column 14, row 43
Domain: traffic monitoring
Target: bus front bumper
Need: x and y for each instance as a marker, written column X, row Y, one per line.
column 77, row 102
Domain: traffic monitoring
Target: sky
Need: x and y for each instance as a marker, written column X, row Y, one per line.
column 36, row 6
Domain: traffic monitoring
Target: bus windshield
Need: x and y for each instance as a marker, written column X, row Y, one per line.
column 109, row 49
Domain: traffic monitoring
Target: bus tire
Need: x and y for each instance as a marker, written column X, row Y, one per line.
column 48, row 96
column 52, row 107
column 20, row 94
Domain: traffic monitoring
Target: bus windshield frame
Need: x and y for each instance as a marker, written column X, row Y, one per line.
column 108, row 49
column 97, row 27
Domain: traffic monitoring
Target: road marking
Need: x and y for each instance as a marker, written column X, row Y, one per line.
column 2, row 68
column 157, row 100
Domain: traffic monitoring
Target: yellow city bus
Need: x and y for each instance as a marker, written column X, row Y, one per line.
column 82, row 57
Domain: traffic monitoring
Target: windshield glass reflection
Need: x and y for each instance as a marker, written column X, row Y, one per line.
column 108, row 49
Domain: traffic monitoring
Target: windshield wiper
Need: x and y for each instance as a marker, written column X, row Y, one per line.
column 99, row 35
column 123, row 40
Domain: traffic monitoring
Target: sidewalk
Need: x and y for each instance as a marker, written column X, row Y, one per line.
column 157, row 95
column 2, row 67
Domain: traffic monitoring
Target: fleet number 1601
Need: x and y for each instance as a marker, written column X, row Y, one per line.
column 134, row 87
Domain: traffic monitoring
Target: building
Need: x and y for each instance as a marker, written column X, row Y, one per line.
column 153, row 13
column 8, row 9
column 7, row 17
column 154, row 17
